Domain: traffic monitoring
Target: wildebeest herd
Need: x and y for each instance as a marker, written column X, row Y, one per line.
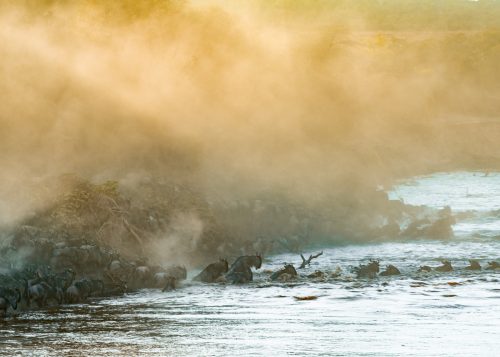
column 81, row 271
column 371, row 269
column 73, row 271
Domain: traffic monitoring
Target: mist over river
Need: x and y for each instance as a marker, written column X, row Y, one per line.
column 434, row 314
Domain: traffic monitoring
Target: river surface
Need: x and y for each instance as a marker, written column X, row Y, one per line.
column 438, row 314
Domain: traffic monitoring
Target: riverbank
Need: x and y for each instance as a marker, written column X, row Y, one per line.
column 87, row 239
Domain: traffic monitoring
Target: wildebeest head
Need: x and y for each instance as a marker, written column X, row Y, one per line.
column 259, row 260
column 68, row 276
column 290, row 269
column 171, row 283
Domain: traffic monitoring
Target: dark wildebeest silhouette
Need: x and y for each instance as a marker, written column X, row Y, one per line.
column 41, row 292
column 424, row 269
column 390, row 270
column 367, row 271
column 212, row 272
column 287, row 269
column 240, row 271
column 446, row 267
column 171, row 284
column 8, row 297
column 473, row 265
column 493, row 265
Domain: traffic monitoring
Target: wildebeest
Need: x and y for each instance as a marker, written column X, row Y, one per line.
column 473, row 265
column 114, row 266
column 171, row 284
column 121, row 270
column 88, row 257
column 142, row 276
column 287, row 269
column 177, row 271
column 318, row 274
column 493, row 265
column 240, row 271
column 424, row 269
column 390, row 270
column 367, row 271
column 445, row 267
column 160, row 279
column 8, row 298
column 65, row 257
column 41, row 292
column 213, row 271
column 83, row 288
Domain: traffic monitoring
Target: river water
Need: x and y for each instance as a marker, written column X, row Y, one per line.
column 438, row 314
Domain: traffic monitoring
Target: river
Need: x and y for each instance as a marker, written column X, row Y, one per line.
column 440, row 314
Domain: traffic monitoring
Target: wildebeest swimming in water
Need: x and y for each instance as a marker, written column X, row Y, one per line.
column 493, row 265
column 446, row 267
column 287, row 269
column 424, row 269
column 212, row 272
column 368, row 271
column 240, row 271
column 318, row 274
column 473, row 265
column 390, row 270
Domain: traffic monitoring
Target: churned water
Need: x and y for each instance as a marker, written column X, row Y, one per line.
column 436, row 314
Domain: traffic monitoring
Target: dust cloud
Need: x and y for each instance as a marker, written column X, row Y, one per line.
column 310, row 101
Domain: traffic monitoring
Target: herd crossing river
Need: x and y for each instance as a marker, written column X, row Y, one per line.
column 453, row 313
